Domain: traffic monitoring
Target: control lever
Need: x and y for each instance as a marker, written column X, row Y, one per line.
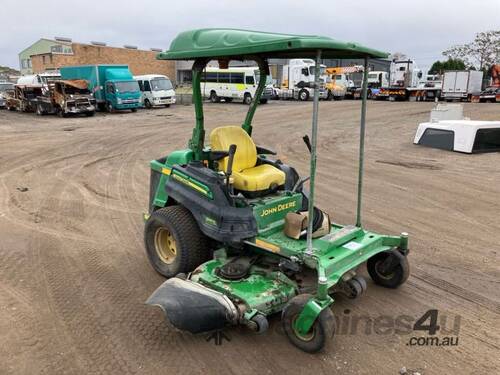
column 307, row 141
column 230, row 160
column 300, row 183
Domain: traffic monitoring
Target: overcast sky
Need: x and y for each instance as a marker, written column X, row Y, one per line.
column 421, row 29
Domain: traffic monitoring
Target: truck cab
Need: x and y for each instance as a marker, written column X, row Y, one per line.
column 121, row 91
column 298, row 75
column 157, row 90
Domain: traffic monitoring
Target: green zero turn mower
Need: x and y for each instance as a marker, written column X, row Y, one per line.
column 228, row 225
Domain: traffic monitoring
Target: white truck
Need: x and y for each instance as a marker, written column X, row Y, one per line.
column 156, row 89
column 461, row 84
column 407, row 83
column 298, row 76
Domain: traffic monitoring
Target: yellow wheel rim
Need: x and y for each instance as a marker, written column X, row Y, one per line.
column 304, row 337
column 165, row 245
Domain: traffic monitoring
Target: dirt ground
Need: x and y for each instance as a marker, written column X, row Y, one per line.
column 74, row 275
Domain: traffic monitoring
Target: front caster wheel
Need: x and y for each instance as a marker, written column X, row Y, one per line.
column 389, row 269
column 174, row 242
column 321, row 331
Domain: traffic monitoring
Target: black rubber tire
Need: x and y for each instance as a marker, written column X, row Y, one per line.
column 147, row 104
column 261, row 322
column 303, row 95
column 109, row 107
column 39, row 110
column 90, row 114
column 323, row 328
column 247, row 99
column 192, row 245
column 213, row 97
column 397, row 277
column 133, row 110
column 263, row 101
column 167, row 105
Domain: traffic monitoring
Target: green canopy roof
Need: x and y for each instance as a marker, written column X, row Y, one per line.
column 238, row 44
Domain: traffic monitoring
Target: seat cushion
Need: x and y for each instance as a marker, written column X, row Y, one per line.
column 259, row 178
column 246, row 153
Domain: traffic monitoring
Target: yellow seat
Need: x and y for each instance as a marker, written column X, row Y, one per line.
column 246, row 174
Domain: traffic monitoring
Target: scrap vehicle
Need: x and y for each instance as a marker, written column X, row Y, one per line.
column 228, row 225
column 66, row 97
column 5, row 87
column 234, row 83
column 297, row 76
column 461, row 84
column 157, row 90
column 113, row 86
column 23, row 98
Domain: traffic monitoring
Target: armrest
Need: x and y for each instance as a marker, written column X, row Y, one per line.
column 264, row 151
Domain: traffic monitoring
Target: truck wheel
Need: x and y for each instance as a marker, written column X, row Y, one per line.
column 133, row 109
column 213, row 97
column 322, row 330
column 303, row 95
column 109, row 107
column 329, row 96
column 90, row 114
column 167, row 105
column 247, row 99
column 398, row 273
column 61, row 113
column 39, row 110
column 263, row 101
column 174, row 242
column 147, row 104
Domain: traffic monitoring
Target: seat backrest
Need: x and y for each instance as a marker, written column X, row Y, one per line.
column 246, row 152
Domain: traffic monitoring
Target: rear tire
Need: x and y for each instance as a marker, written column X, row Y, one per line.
column 213, row 97
column 147, row 104
column 247, row 99
column 39, row 110
column 133, row 110
column 394, row 278
column 109, row 107
column 174, row 242
column 303, row 95
column 321, row 331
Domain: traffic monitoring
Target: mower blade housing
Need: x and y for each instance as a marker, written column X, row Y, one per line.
column 192, row 307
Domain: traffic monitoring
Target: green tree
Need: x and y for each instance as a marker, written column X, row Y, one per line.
column 483, row 52
column 451, row 64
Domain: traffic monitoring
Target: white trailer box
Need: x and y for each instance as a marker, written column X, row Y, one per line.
column 461, row 84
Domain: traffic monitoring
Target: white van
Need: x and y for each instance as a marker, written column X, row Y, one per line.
column 157, row 90
column 238, row 83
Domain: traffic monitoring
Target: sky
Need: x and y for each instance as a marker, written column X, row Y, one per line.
column 421, row 29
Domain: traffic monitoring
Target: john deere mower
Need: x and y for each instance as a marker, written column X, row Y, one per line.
column 236, row 233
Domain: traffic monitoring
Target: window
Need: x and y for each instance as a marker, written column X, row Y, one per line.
column 209, row 77
column 147, row 86
column 43, row 59
column 437, row 138
column 402, row 68
column 236, row 77
column 129, row 86
column 109, row 88
column 487, row 140
column 159, row 84
column 223, row 78
column 249, row 80
column 29, row 63
column 141, row 86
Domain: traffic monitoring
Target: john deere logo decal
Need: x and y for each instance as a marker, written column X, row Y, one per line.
column 278, row 208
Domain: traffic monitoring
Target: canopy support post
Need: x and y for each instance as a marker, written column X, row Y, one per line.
column 362, row 142
column 196, row 143
column 314, row 138
column 264, row 72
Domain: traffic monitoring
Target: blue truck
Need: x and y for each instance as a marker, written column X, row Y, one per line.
column 113, row 86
